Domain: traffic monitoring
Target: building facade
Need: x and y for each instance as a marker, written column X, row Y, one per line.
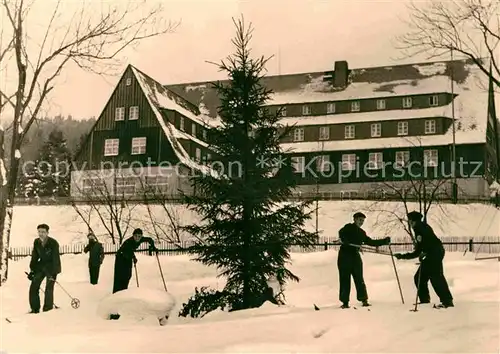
column 351, row 132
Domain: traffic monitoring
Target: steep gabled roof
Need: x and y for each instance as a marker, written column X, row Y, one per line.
column 160, row 98
column 470, row 105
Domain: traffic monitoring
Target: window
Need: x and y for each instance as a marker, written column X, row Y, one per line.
column 323, row 163
column 402, row 158
column 355, row 106
column 93, row 185
column 205, row 134
column 133, row 113
column 298, row 134
column 198, row 154
column 430, row 126
column 348, row 162
column 324, row 133
column 128, row 82
column 380, row 104
column 376, row 130
column 434, row 100
column 126, row 185
column 349, row 132
column 111, row 147
column 283, row 111
column 156, row 183
column 120, row 113
column 306, row 110
column 330, row 108
column 407, row 102
column 375, row 161
column 298, row 163
column 138, row 146
column 402, row 128
column 193, row 129
column 430, row 158
column 208, row 158
column 181, row 124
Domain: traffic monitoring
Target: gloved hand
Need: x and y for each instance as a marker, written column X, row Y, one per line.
column 152, row 248
column 134, row 259
column 422, row 256
column 398, row 255
column 387, row 240
column 31, row 275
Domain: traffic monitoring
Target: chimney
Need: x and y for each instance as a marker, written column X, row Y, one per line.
column 341, row 74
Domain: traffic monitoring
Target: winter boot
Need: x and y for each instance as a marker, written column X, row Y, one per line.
column 344, row 305
column 366, row 303
column 445, row 305
column 114, row 316
column 34, row 311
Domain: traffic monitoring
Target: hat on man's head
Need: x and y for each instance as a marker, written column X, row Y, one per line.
column 359, row 215
column 137, row 232
column 415, row 216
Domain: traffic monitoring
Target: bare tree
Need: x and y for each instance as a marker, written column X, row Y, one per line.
column 93, row 38
column 421, row 188
column 470, row 28
column 113, row 204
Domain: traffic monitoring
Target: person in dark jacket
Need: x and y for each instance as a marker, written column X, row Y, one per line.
column 45, row 263
column 349, row 260
column 125, row 258
column 429, row 249
column 96, row 257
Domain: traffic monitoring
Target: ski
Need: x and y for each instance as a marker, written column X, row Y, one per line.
column 17, row 318
column 316, row 308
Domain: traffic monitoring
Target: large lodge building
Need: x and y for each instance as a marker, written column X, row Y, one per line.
column 354, row 130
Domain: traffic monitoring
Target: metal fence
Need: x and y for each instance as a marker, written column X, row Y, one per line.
column 484, row 245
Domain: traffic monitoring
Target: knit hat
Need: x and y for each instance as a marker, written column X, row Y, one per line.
column 415, row 216
column 137, row 232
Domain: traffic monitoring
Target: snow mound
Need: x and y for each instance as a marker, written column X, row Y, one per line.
column 138, row 304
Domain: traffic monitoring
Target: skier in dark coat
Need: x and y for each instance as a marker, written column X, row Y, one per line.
column 125, row 258
column 430, row 251
column 96, row 257
column 45, row 263
column 349, row 259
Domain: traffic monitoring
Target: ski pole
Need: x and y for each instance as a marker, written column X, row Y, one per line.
column 136, row 276
column 161, row 272
column 75, row 303
column 418, row 287
column 397, row 276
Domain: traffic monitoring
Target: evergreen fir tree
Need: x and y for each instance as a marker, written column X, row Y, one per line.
column 248, row 223
column 53, row 167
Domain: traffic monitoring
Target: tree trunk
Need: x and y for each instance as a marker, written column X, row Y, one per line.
column 5, row 214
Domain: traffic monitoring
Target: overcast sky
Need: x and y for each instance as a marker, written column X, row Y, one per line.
column 303, row 35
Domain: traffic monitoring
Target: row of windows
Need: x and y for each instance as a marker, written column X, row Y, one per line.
column 376, row 130
column 129, row 185
column 182, row 127
column 133, row 113
column 356, row 105
column 112, row 148
column 375, row 161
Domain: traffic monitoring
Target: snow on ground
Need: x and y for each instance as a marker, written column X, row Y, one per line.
column 389, row 326
column 447, row 220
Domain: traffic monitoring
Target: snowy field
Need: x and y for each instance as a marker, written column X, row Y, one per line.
column 471, row 220
column 389, row 327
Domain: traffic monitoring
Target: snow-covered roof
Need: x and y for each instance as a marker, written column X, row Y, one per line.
column 160, row 99
column 470, row 105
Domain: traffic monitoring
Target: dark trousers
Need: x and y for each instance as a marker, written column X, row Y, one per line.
column 94, row 273
column 431, row 269
column 34, row 293
column 122, row 274
column 350, row 265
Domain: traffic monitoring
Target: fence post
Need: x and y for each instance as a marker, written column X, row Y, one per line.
column 471, row 245
column 326, row 246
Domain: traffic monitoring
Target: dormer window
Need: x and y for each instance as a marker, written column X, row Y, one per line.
column 434, row 100
column 306, row 110
column 330, row 108
column 283, row 111
column 407, row 102
column 430, row 126
column 355, row 106
column 181, row 124
column 381, row 104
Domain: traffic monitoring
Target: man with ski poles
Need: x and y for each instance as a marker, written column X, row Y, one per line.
column 349, row 260
column 430, row 251
column 45, row 263
column 125, row 259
